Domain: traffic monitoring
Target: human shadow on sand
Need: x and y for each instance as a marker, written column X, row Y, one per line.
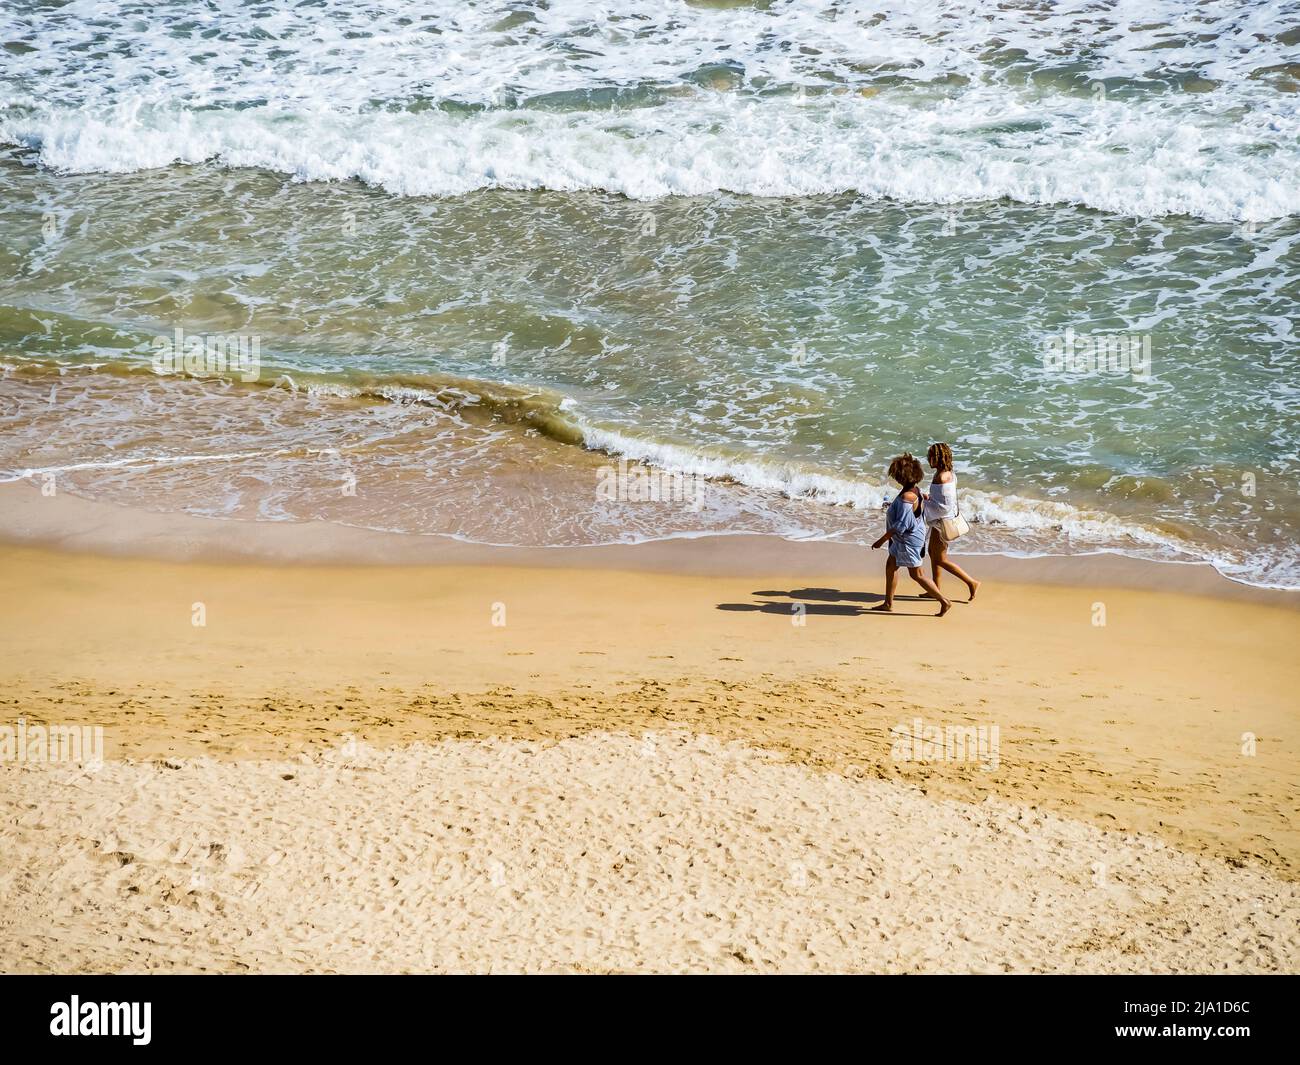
column 834, row 595
column 830, row 601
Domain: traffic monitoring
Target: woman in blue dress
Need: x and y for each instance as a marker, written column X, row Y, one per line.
column 905, row 533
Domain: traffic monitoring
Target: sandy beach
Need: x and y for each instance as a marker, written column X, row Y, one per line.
column 497, row 765
column 693, row 487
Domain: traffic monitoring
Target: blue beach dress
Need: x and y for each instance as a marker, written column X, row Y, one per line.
column 907, row 545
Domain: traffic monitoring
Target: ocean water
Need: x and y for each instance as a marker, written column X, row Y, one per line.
column 489, row 251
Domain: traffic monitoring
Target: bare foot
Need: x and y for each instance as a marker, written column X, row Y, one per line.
column 883, row 608
column 974, row 587
column 944, row 606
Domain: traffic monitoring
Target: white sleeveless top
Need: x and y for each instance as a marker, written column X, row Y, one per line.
column 941, row 504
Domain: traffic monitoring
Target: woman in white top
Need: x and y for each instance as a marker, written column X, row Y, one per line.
column 939, row 504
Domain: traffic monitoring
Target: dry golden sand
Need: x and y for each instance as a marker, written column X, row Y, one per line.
column 664, row 853
column 1144, row 838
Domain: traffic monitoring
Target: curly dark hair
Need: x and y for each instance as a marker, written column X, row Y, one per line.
column 906, row 471
column 939, row 456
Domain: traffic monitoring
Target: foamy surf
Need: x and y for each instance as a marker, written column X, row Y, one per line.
column 1068, row 527
column 1189, row 113
column 1146, row 160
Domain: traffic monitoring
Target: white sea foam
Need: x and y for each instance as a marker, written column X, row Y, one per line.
column 8, row 477
column 1037, row 518
column 1011, row 511
column 961, row 102
column 343, row 55
column 1135, row 161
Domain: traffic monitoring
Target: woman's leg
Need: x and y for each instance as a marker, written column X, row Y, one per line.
column 939, row 560
column 936, row 555
column 891, row 578
column 944, row 604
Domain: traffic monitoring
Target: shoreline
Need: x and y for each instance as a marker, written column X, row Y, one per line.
column 78, row 525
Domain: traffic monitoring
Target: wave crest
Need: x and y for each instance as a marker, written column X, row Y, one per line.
column 1140, row 159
